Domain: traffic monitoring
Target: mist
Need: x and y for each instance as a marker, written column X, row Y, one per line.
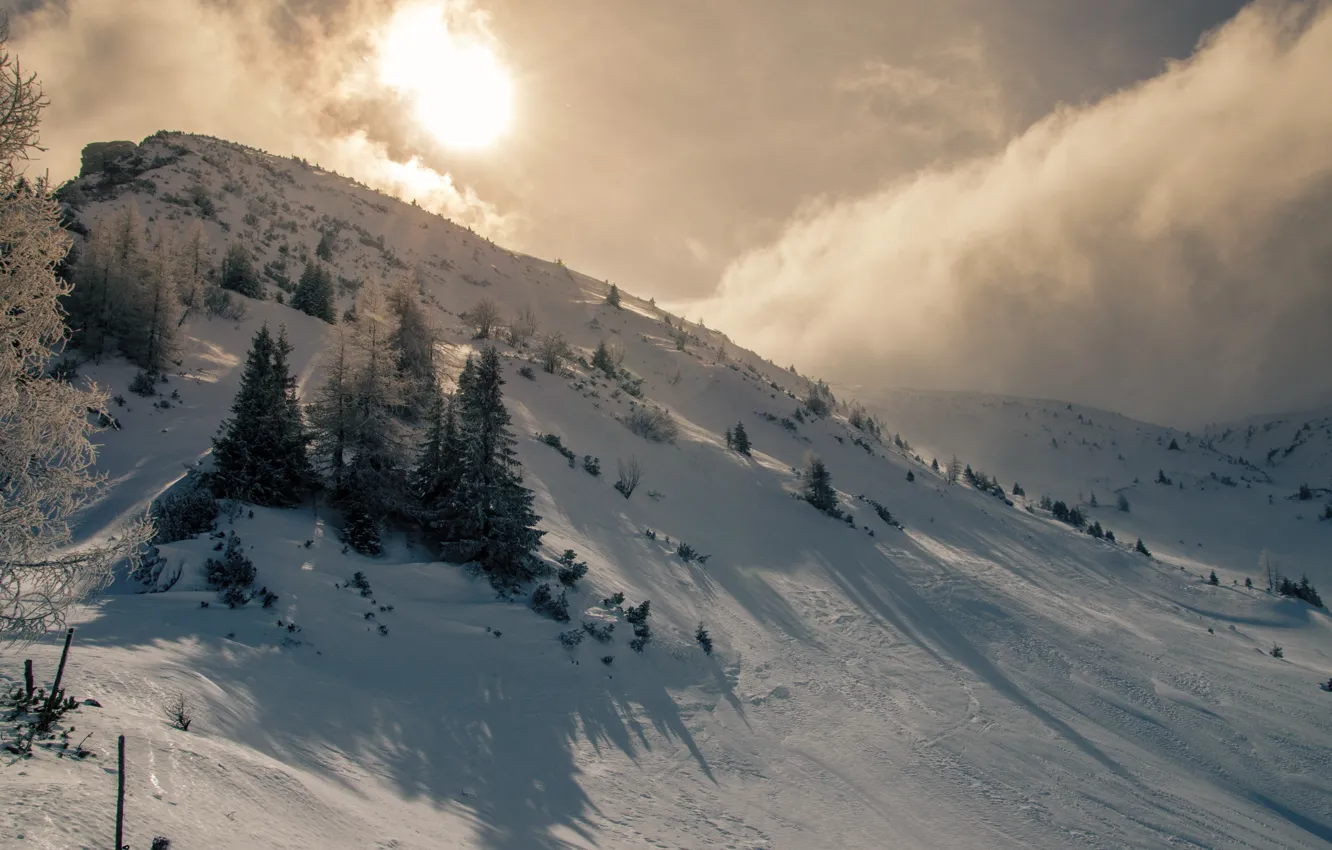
column 1164, row 252
column 289, row 78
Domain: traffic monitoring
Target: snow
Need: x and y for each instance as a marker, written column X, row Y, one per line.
column 985, row 677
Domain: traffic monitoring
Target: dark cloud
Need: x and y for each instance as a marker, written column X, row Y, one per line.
column 793, row 150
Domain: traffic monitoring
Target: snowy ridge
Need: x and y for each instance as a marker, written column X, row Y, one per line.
column 1234, row 487
column 982, row 677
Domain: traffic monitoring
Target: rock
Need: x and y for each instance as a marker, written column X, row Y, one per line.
column 97, row 154
column 92, row 702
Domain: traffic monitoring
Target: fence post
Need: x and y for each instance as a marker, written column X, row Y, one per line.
column 52, row 697
column 28, row 683
column 120, row 795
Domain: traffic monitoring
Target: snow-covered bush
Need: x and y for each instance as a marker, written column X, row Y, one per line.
column 570, row 568
column 233, row 574
column 652, row 423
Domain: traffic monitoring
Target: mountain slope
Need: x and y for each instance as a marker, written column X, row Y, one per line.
column 981, row 677
column 1234, row 488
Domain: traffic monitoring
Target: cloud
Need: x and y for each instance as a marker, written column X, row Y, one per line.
column 1164, row 251
column 272, row 74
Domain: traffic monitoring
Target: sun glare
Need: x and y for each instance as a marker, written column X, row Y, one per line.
column 459, row 92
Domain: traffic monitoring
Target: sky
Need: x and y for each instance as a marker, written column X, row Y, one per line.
column 1116, row 202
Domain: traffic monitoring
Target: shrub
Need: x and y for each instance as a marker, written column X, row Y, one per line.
column 650, row 534
column 571, row 638
column 184, row 511
column 629, row 473
column 1122, row 503
column 911, row 476
column 652, row 423
column 570, row 569
column 233, row 574
column 526, row 372
column 704, row 639
column 1212, row 579
column 601, row 633
column 161, row 842
column 545, row 602
column 361, row 583
column 1277, row 652
column 144, row 384
column 592, row 465
column 615, row 600
column 1141, row 548
column 554, row 441
column 688, row 553
column 178, row 712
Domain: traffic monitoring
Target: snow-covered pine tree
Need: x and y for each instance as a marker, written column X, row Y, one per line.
column 314, row 292
column 613, row 296
column 490, row 507
column 260, row 453
column 818, row 489
column 740, row 438
column 601, row 360
column 46, row 458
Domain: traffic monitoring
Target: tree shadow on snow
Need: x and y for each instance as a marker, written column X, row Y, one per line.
column 481, row 725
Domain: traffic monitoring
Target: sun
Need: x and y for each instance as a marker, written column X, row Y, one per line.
column 459, row 92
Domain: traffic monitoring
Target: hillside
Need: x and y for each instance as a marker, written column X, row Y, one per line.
column 1235, row 487
column 981, row 677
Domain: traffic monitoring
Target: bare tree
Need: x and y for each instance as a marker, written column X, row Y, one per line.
column 630, row 473
column 523, row 327
column 178, row 712
column 552, row 352
column 46, row 457
column 484, row 316
column 954, row 470
column 1271, row 567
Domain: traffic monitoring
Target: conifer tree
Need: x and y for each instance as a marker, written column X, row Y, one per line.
column 314, row 292
column 149, row 335
column 491, row 507
column 740, row 438
column 238, row 273
column 613, row 296
column 730, row 440
column 435, row 479
column 601, row 360
column 260, row 454
column 358, row 437
column 818, row 489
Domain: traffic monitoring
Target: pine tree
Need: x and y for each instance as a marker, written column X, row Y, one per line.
column 613, row 296
column 601, row 359
column 491, row 507
column 260, row 454
column 818, row 489
column 314, row 292
column 730, row 440
column 740, row 438
column 435, row 479
column 359, row 441
column 954, row 470
column 1212, row 579
column 1141, row 548
column 238, row 273
column 192, row 271
column 414, row 345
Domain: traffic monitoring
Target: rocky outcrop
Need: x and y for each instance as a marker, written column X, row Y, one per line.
column 98, row 154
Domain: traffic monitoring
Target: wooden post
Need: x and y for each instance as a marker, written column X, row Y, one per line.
column 120, row 795
column 60, row 671
column 28, row 683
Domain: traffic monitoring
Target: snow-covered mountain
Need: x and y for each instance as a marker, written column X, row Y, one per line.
column 1235, row 488
column 972, row 675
